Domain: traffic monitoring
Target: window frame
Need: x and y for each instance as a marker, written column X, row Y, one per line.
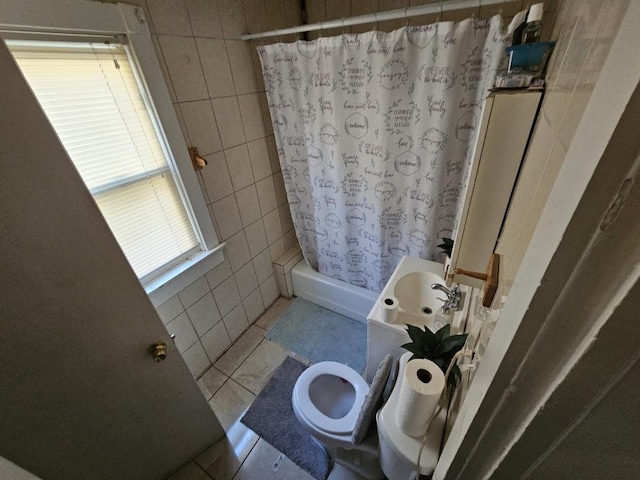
column 88, row 19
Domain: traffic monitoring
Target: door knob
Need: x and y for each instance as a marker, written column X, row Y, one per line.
column 158, row 351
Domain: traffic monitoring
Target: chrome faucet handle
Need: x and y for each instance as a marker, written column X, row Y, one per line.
column 442, row 288
column 454, row 297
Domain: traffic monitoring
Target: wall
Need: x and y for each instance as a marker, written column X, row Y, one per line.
column 321, row 10
column 584, row 31
column 215, row 84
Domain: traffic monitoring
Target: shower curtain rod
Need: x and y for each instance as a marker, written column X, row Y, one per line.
column 441, row 7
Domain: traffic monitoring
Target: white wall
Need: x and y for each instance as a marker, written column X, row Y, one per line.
column 584, row 32
column 564, row 342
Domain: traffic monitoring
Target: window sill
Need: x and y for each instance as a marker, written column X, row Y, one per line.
column 162, row 288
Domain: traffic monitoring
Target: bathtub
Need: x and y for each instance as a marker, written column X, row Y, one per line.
column 340, row 297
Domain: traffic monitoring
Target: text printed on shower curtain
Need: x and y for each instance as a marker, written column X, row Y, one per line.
column 373, row 133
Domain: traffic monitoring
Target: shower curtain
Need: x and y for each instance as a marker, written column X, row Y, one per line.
column 373, row 133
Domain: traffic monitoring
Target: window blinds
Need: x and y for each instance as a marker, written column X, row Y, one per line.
column 91, row 96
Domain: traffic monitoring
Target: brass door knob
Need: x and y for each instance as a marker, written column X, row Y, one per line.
column 158, row 351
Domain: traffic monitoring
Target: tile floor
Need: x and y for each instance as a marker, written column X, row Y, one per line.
column 230, row 385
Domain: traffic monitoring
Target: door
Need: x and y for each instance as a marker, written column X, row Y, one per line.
column 80, row 396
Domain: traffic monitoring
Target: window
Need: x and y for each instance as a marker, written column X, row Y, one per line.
column 95, row 102
column 188, row 244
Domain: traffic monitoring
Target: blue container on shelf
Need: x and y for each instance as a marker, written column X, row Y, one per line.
column 529, row 57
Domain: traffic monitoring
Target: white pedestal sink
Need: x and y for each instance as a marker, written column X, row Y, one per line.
column 418, row 304
column 416, row 297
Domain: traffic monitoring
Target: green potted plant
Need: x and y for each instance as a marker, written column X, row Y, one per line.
column 446, row 246
column 439, row 347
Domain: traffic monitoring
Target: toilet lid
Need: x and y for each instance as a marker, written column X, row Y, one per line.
column 338, row 426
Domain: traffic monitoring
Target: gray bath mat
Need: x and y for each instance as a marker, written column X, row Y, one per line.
column 271, row 416
column 320, row 334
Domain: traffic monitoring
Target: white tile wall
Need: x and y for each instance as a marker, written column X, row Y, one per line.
column 272, row 226
column 253, row 305
column 216, row 68
column 227, row 295
column 248, row 205
column 259, row 155
column 205, row 19
column 263, row 265
column 204, row 314
column 256, row 238
column 273, row 154
column 170, row 17
column 285, row 217
column 584, row 34
column 269, row 290
column 201, row 126
column 232, row 16
column 290, row 239
column 185, row 334
column 239, row 165
column 227, row 216
column 238, row 250
column 170, row 309
column 267, row 195
column 227, row 114
column 281, row 193
column 282, row 285
column 218, row 274
column 196, row 359
column 236, row 322
column 246, row 280
column 216, row 341
column 251, row 114
column 213, row 81
column 216, row 177
column 277, row 248
column 184, row 67
column 242, row 67
column 264, row 104
column 194, row 292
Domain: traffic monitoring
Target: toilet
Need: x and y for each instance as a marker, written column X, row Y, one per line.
column 337, row 407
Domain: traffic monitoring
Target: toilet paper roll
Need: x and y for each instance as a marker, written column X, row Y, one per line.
column 422, row 386
column 388, row 309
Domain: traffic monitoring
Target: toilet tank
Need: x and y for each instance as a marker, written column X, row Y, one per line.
column 398, row 452
column 394, row 467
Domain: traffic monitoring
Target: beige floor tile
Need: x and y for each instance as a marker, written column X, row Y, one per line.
column 224, row 459
column 240, row 350
column 273, row 313
column 211, row 381
column 256, row 370
column 266, row 463
column 190, row 471
column 230, row 402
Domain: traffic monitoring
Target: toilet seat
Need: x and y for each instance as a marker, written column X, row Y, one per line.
column 306, row 407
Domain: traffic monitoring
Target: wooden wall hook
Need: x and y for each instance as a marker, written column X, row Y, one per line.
column 198, row 162
column 491, row 278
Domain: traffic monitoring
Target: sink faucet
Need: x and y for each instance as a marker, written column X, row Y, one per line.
column 454, row 297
